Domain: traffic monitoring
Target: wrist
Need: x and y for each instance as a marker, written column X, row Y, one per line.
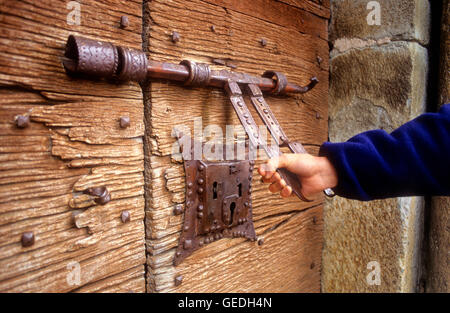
column 327, row 173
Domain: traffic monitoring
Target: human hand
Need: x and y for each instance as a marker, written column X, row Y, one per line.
column 315, row 173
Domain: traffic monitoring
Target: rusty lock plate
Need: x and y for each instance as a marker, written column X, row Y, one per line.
column 218, row 204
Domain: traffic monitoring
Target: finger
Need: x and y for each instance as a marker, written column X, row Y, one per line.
column 275, row 178
column 267, row 170
column 286, row 192
column 283, row 161
column 261, row 170
column 277, row 186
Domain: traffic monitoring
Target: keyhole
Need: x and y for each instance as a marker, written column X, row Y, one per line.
column 240, row 189
column 232, row 207
column 215, row 190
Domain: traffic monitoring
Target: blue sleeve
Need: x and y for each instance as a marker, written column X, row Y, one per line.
column 412, row 160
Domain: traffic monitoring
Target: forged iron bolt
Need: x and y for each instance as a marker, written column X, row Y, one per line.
column 178, row 209
column 213, row 28
column 178, row 253
column 200, row 215
column 318, row 116
column 239, row 103
column 22, row 121
column 215, row 222
column 200, row 243
column 260, row 241
column 217, row 236
column 201, row 167
column 27, row 239
column 124, row 22
column 211, row 238
column 101, row 193
column 189, row 192
column 260, row 100
column 200, row 190
column 124, row 121
column 175, row 37
column 189, row 185
column 188, row 203
column 125, row 216
column 200, row 207
column 246, row 204
column 200, row 181
column 206, row 240
column 178, row 280
column 263, row 42
column 103, row 200
column 266, row 111
column 252, row 162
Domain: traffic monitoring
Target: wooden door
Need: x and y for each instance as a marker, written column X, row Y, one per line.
column 230, row 32
column 74, row 142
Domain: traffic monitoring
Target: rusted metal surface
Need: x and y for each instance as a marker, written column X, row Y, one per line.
column 124, row 121
column 124, row 21
column 22, row 121
column 101, row 194
column 218, row 203
column 27, row 239
column 105, row 60
column 125, row 216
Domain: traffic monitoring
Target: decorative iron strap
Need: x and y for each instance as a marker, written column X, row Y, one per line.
column 254, row 135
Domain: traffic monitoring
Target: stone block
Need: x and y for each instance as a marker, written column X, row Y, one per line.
column 400, row 20
column 374, row 87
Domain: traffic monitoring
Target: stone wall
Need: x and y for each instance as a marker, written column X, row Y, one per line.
column 438, row 274
column 378, row 79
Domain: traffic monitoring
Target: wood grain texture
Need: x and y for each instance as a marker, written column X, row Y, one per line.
column 73, row 142
column 289, row 261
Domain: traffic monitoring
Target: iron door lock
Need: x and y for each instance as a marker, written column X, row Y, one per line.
column 218, row 204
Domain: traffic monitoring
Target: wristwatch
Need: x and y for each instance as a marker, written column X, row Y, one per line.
column 329, row 192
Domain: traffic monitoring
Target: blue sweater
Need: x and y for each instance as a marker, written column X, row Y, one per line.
column 412, row 160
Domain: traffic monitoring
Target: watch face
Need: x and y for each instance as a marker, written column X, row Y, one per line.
column 329, row 192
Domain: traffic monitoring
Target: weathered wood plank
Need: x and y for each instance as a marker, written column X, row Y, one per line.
column 318, row 7
column 73, row 142
column 131, row 280
column 288, row 261
column 234, row 265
